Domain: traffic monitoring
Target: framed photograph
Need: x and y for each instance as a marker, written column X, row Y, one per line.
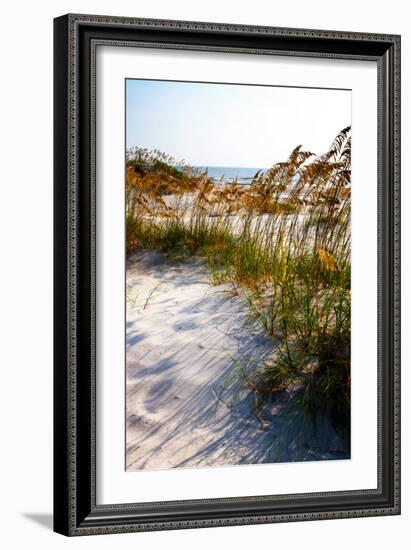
column 227, row 278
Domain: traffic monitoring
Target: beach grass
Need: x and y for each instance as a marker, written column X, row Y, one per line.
column 284, row 241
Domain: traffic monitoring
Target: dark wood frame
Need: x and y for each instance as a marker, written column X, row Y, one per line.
column 75, row 40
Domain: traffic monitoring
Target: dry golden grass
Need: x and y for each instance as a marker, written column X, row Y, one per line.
column 285, row 240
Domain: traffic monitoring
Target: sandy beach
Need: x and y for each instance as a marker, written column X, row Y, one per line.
column 187, row 404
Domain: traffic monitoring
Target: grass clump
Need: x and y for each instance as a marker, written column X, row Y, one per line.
column 285, row 240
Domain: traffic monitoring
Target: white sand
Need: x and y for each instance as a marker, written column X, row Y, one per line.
column 186, row 403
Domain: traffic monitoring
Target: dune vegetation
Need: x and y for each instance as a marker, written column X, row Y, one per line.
column 283, row 241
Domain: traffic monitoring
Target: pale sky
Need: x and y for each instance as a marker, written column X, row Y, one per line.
column 231, row 124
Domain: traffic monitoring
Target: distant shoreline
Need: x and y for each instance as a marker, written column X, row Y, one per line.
column 242, row 174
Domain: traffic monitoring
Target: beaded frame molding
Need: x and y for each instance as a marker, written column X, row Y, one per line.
column 76, row 38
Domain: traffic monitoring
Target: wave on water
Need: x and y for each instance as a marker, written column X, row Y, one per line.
column 243, row 175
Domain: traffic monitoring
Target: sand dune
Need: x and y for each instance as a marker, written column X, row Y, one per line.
column 186, row 403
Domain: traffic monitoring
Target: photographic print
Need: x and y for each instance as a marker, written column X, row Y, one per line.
column 226, row 274
column 238, row 266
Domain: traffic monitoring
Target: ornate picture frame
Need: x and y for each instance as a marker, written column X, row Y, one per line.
column 76, row 39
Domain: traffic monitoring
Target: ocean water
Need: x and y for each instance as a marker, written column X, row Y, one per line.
column 242, row 174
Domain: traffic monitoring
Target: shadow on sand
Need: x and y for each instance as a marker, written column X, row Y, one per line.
column 186, row 401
